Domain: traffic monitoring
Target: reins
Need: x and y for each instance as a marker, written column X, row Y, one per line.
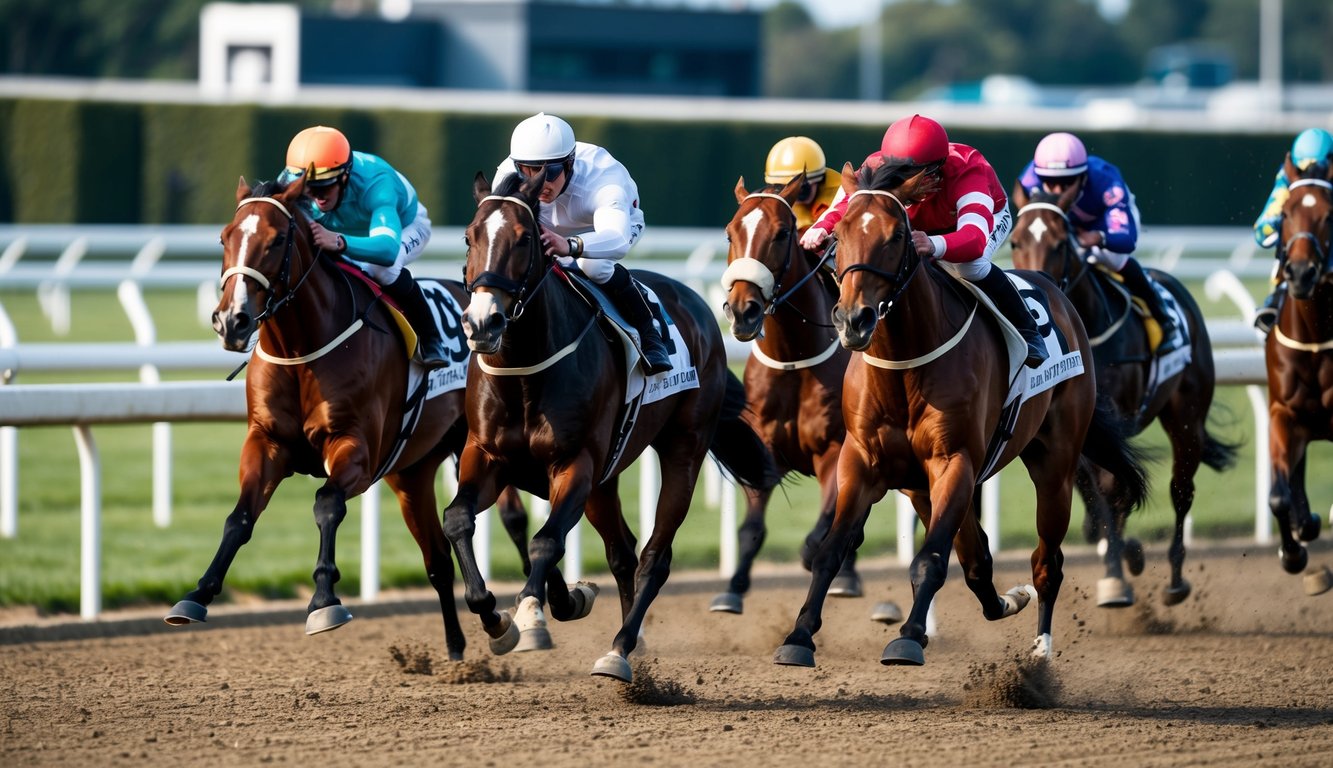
column 898, row 281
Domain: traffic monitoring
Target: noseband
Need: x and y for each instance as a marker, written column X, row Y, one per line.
column 523, row 290
column 272, row 303
column 1068, row 247
column 750, row 269
column 898, row 280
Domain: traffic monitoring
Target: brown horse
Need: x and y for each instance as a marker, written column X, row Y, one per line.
column 327, row 393
column 1176, row 389
column 935, row 403
column 1299, row 353
column 793, row 377
column 554, row 409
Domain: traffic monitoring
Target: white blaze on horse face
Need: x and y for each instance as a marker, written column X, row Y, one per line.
column 1309, row 201
column 1037, row 228
column 494, row 223
column 249, row 226
column 750, row 222
column 866, row 220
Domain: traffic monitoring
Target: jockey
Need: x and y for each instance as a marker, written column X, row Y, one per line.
column 962, row 224
column 799, row 155
column 363, row 210
column 1104, row 216
column 1312, row 146
column 590, row 216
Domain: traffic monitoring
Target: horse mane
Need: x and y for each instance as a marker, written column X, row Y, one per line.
column 509, row 185
column 910, row 182
column 266, row 189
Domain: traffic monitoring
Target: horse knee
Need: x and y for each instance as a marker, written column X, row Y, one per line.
column 459, row 525
column 330, row 506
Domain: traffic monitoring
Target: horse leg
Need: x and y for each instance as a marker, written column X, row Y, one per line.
column 1053, row 480
column 326, row 611
column 514, row 518
column 477, row 489
column 855, row 497
column 415, row 489
column 1287, row 453
column 1113, row 591
column 848, row 582
column 263, row 465
column 606, row 517
column 570, row 486
column 1304, row 523
column 680, row 461
column 1186, row 432
column 750, row 537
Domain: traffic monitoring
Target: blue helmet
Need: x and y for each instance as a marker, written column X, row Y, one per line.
column 1312, row 145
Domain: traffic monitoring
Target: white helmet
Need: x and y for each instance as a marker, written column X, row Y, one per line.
column 541, row 139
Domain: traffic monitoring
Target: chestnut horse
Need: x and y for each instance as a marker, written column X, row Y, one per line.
column 793, row 377
column 1299, row 354
column 326, row 393
column 554, row 410
column 935, row 403
column 1176, row 389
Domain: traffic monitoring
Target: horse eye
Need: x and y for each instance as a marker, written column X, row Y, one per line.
column 782, row 234
column 467, row 242
column 525, row 238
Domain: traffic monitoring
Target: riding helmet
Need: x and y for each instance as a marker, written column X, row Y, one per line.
column 793, row 156
column 1059, row 155
column 327, row 149
column 917, row 140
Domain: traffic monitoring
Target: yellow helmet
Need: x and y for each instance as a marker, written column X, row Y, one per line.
column 792, row 156
column 325, row 148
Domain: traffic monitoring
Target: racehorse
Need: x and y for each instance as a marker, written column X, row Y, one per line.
column 560, row 411
column 1299, row 355
column 1176, row 389
column 936, row 402
column 327, row 395
column 793, row 377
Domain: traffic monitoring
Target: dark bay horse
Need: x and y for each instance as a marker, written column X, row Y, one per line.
column 793, row 377
column 327, row 393
column 935, row 403
column 552, row 411
column 1299, row 354
column 1176, row 390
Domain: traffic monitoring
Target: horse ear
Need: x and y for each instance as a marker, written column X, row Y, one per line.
column 242, row 190
column 480, row 187
column 1068, row 197
column 1020, row 194
column 848, row 178
column 531, row 188
column 741, row 191
column 1289, row 168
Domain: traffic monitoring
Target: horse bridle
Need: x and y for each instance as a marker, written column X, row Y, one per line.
column 898, row 280
column 778, row 297
column 1321, row 249
column 523, row 291
column 273, row 303
column 1068, row 247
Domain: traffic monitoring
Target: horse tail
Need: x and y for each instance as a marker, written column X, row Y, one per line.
column 737, row 447
column 1107, row 445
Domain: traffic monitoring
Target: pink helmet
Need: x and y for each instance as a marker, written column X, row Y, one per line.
column 916, row 139
column 1060, row 154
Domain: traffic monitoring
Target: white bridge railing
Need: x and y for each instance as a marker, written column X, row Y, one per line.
column 1238, row 358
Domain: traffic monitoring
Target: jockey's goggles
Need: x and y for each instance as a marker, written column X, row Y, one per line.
column 551, row 170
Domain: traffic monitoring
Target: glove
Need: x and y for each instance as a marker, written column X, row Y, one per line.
column 813, row 238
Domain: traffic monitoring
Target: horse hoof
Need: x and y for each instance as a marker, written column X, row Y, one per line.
column 1015, row 600
column 531, row 622
column 727, row 602
column 326, row 618
column 1114, row 593
column 613, row 665
column 794, row 656
column 1318, row 582
column 1043, row 647
column 186, row 612
column 845, row 586
column 904, row 650
column 1310, row 531
column 1176, row 595
column 582, row 595
column 886, row 612
column 1133, row 557
column 1296, row 563
column 507, row 637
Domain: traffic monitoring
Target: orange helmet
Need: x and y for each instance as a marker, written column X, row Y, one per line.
column 325, row 148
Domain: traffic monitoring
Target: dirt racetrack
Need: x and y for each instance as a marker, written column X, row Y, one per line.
column 1240, row 674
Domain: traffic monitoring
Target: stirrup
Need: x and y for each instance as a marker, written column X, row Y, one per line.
column 1265, row 318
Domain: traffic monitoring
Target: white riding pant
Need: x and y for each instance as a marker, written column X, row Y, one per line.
column 415, row 236
column 979, row 267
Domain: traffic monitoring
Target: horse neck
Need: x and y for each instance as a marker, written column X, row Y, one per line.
column 790, row 332
column 553, row 318
column 1309, row 320
column 929, row 313
column 316, row 312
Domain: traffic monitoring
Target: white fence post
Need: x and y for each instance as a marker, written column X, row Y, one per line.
column 90, row 523
column 650, row 486
column 370, row 543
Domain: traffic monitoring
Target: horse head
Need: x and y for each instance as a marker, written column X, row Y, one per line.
column 1307, row 220
column 1043, row 238
column 258, row 248
column 505, row 263
column 762, row 245
column 876, row 260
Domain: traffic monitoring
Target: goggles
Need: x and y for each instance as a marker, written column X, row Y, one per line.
column 551, row 170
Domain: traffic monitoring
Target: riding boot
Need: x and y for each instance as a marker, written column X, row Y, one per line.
column 625, row 294
column 408, row 296
column 1137, row 283
column 1265, row 317
column 1004, row 296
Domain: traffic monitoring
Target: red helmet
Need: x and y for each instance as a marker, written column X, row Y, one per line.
column 917, row 139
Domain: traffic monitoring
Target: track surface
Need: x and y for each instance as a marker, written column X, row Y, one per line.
column 1241, row 674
